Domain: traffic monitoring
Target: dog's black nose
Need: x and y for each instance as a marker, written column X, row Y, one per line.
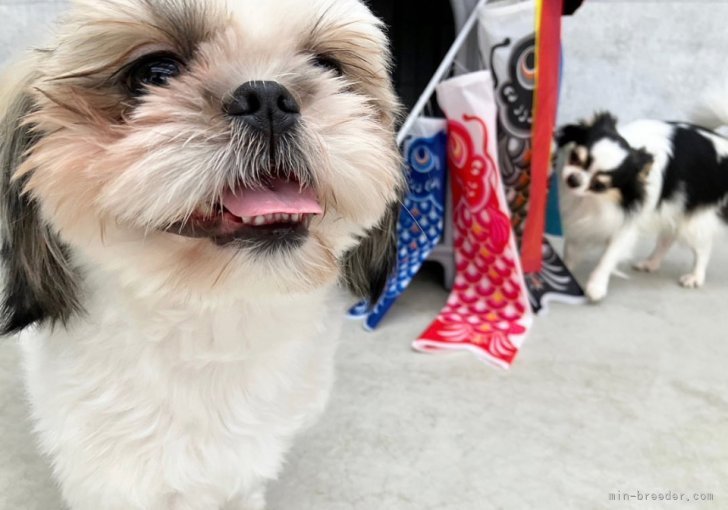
column 573, row 181
column 264, row 105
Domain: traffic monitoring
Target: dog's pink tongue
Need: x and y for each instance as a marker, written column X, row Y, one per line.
column 283, row 197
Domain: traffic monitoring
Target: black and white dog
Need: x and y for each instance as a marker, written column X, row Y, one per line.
column 654, row 176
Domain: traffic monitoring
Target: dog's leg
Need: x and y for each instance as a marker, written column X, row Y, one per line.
column 702, row 257
column 573, row 254
column 617, row 248
column 654, row 261
column 698, row 233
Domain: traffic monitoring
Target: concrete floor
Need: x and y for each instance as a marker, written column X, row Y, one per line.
column 630, row 395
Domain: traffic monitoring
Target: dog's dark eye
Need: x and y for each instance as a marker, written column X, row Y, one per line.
column 574, row 159
column 152, row 71
column 598, row 186
column 328, row 64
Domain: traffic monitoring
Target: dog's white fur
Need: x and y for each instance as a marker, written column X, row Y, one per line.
column 176, row 407
column 182, row 379
column 599, row 220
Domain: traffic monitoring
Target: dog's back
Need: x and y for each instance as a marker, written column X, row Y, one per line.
column 690, row 169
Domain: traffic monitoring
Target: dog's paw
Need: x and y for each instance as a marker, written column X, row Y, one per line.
column 647, row 266
column 692, row 281
column 596, row 289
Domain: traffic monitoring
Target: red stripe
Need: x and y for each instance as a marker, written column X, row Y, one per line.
column 547, row 94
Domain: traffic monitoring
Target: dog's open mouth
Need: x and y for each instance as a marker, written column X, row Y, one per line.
column 275, row 215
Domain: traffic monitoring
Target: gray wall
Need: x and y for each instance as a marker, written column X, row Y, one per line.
column 25, row 23
column 643, row 59
column 635, row 58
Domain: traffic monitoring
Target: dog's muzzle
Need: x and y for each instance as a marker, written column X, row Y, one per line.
column 275, row 212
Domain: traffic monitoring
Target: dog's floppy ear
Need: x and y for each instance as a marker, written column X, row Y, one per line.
column 571, row 133
column 39, row 283
column 367, row 267
column 643, row 161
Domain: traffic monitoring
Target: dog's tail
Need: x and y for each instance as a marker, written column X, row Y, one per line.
column 712, row 113
column 712, row 108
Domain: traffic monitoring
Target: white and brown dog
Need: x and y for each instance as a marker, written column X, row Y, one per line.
column 184, row 182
